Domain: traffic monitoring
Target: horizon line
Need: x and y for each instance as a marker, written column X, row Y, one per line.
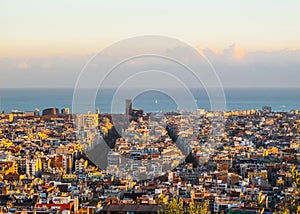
column 231, row 87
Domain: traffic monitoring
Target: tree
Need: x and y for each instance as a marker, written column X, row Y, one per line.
column 198, row 208
column 261, row 199
column 175, row 206
column 296, row 179
column 161, row 199
column 291, row 204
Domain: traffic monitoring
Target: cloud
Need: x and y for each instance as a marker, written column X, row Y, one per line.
column 216, row 51
column 200, row 48
column 235, row 67
column 203, row 51
column 238, row 53
column 23, row 65
column 234, row 51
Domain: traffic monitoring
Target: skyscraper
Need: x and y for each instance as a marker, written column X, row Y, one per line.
column 128, row 107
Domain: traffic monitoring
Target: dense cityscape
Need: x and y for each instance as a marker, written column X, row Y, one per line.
column 228, row 162
column 149, row 107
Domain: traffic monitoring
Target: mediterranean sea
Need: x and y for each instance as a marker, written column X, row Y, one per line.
column 28, row 99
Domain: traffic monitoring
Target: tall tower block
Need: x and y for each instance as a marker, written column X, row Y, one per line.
column 128, row 107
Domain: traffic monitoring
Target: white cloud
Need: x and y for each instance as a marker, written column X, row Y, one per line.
column 234, row 51
column 236, row 68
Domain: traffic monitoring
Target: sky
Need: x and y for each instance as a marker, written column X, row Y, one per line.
column 250, row 43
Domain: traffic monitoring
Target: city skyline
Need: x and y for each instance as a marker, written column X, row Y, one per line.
column 149, row 107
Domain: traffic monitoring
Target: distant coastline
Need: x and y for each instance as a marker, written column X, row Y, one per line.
column 28, row 99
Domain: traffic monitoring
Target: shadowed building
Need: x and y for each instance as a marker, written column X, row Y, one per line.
column 128, row 107
column 50, row 111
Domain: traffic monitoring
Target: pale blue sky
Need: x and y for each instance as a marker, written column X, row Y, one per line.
column 244, row 40
column 57, row 27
